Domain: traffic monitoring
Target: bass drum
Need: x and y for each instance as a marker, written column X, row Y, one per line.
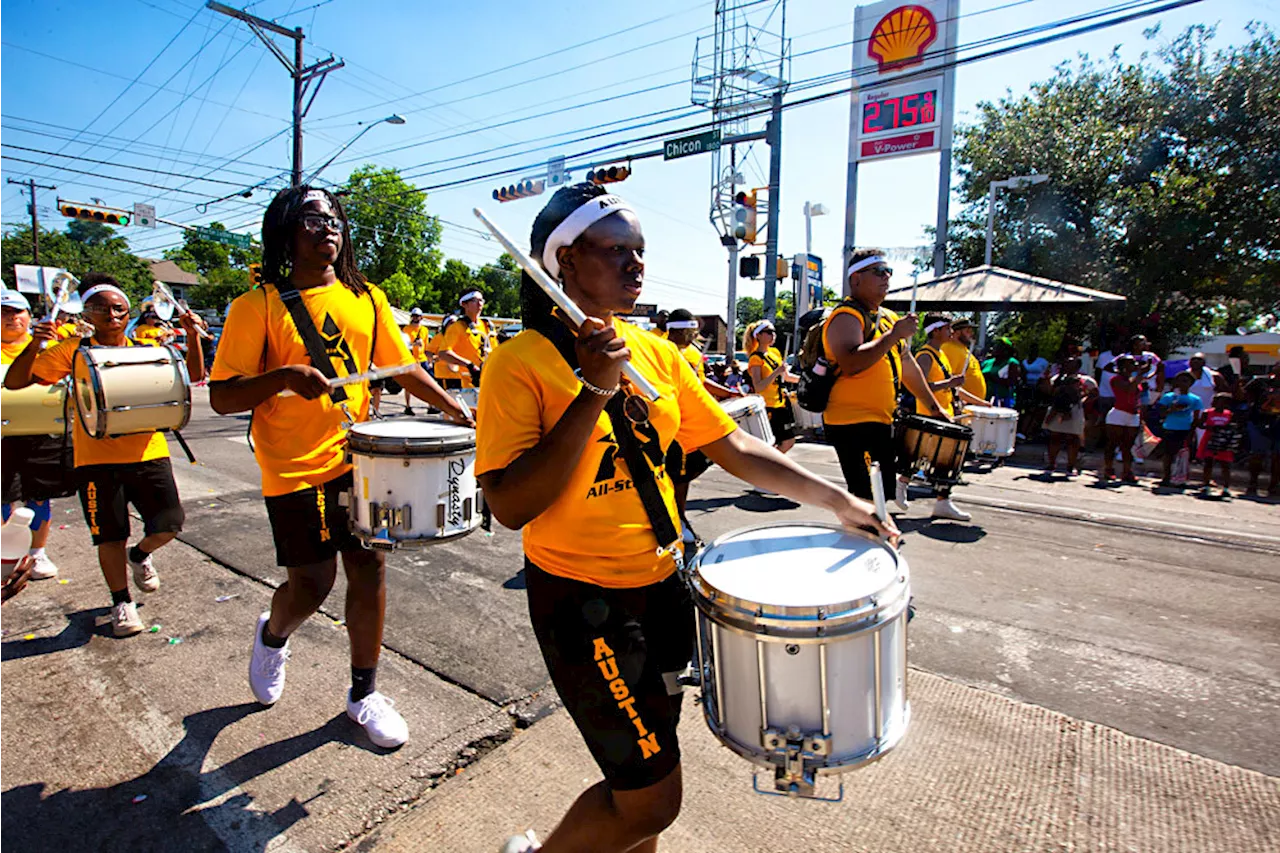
column 129, row 390
column 34, row 410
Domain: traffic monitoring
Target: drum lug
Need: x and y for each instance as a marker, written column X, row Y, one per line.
column 790, row 750
column 386, row 517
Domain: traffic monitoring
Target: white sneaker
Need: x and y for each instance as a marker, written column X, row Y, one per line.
column 266, row 666
column 900, row 496
column 944, row 508
column 43, row 568
column 125, row 621
column 381, row 721
column 144, row 574
column 526, row 843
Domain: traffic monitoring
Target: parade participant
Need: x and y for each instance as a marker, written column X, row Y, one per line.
column 468, row 341
column 32, row 467
column 1064, row 422
column 552, row 458
column 959, row 353
column 867, row 343
column 447, row 374
column 769, row 376
column 684, row 468
column 1003, row 374
column 117, row 471
column 417, row 337
column 1179, row 407
column 946, row 385
column 660, row 323
column 1123, row 419
column 1217, row 424
column 150, row 331
column 314, row 319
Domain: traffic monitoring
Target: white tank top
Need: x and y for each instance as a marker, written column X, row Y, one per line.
column 1204, row 388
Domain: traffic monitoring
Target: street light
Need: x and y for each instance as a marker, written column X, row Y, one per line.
column 802, row 298
column 1019, row 183
column 394, row 118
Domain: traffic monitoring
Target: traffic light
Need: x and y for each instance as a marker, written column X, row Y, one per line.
column 744, row 216
column 749, row 266
column 76, row 210
column 609, row 174
column 255, row 275
column 522, row 189
column 783, row 268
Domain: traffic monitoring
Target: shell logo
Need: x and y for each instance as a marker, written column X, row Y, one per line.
column 901, row 37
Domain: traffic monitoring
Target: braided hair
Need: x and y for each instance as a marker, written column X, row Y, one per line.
column 278, row 226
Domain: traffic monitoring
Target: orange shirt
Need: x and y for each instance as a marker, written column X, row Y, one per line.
column 869, row 396
column 768, row 362
column 300, row 443
column 596, row 530
column 55, row 363
column 939, row 369
column 8, row 352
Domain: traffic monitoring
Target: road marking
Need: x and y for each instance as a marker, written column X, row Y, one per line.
column 238, row 439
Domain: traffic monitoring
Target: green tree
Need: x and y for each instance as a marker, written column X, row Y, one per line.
column 1165, row 184
column 225, row 268
column 391, row 233
column 500, row 283
column 78, row 250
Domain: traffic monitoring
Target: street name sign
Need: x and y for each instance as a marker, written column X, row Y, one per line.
column 686, row 146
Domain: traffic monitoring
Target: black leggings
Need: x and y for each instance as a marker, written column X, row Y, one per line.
column 853, row 442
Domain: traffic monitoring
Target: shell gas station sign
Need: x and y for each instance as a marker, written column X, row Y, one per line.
column 902, row 103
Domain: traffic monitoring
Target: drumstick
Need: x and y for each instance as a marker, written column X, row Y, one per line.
column 559, row 297
column 877, row 493
column 367, row 376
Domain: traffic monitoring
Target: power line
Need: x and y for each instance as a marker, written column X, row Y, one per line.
column 118, row 165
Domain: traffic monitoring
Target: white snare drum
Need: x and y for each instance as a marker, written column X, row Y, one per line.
column 35, row 410
column 994, row 430
column 127, row 390
column 414, row 482
column 750, row 415
column 805, row 419
column 802, row 648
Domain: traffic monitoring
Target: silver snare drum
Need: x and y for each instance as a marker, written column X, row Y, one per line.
column 802, row 648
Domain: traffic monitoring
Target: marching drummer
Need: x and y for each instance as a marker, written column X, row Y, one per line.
column 769, row 376
column 959, row 352
column 150, row 330
column 32, row 464
column 468, row 340
column 947, row 386
column 868, row 343
column 314, row 300
column 557, row 424
column 417, row 337
column 112, row 473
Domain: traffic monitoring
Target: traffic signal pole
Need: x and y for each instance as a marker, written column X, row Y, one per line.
column 774, row 132
column 32, row 186
column 302, row 76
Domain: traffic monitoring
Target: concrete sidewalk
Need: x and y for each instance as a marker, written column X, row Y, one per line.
column 976, row 772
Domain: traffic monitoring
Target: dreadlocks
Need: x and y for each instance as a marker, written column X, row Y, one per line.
column 278, row 225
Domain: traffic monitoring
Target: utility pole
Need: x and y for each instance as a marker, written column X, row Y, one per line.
column 32, row 186
column 775, row 208
column 302, row 76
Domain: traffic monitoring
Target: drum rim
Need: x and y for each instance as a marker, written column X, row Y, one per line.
column 949, row 429
column 403, row 446
column 817, row 623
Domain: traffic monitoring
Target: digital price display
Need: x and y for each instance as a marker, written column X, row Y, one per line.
column 899, row 112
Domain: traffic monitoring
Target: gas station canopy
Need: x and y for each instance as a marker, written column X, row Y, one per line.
column 996, row 289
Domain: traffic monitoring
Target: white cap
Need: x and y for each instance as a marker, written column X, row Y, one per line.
column 14, row 299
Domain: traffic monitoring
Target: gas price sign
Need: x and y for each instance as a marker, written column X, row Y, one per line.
column 899, row 118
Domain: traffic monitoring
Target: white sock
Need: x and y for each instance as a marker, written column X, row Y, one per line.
column 36, row 552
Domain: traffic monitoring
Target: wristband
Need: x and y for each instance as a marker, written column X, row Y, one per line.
column 594, row 389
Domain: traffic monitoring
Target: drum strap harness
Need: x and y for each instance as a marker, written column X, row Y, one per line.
column 310, row 335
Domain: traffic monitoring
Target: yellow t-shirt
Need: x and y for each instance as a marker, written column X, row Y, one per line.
column 150, row 335
column 300, row 443
column 8, row 352
column 768, row 362
column 55, row 363
column 419, row 336
column 472, row 341
column 869, row 396
column 958, row 354
column 596, row 530
column 658, row 332
column 693, row 355
column 68, row 330
column 939, row 369
column 442, row 369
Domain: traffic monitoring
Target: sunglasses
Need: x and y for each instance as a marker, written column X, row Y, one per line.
column 114, row 310
column 315, row 223
column 883, row 272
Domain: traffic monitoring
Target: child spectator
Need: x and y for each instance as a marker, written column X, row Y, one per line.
column 1218, row 443
column 1179, row 408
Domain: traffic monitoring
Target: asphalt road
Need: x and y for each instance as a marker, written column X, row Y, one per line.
column 1161, row 634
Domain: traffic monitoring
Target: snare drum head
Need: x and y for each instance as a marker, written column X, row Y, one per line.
column 403, row 436
column 740, row 405
column 799, row 565
column 995, row 413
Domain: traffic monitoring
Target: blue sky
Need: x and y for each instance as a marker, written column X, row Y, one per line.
column 214, row 103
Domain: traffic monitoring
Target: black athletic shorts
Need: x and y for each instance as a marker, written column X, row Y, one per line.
column 782, row 422
column 107, row 490
column 311, row 526
column 613, row 655
column 852, row 443
column 449, row 384
column 685, row 467
column 36, row 467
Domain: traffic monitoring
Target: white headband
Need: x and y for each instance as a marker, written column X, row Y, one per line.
column 314, row 195
column 864, row 263
column 106, row 288
column 469, row 295
column 766, row 326
column 933, row 327
column 588, row 214
column 682, row 324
